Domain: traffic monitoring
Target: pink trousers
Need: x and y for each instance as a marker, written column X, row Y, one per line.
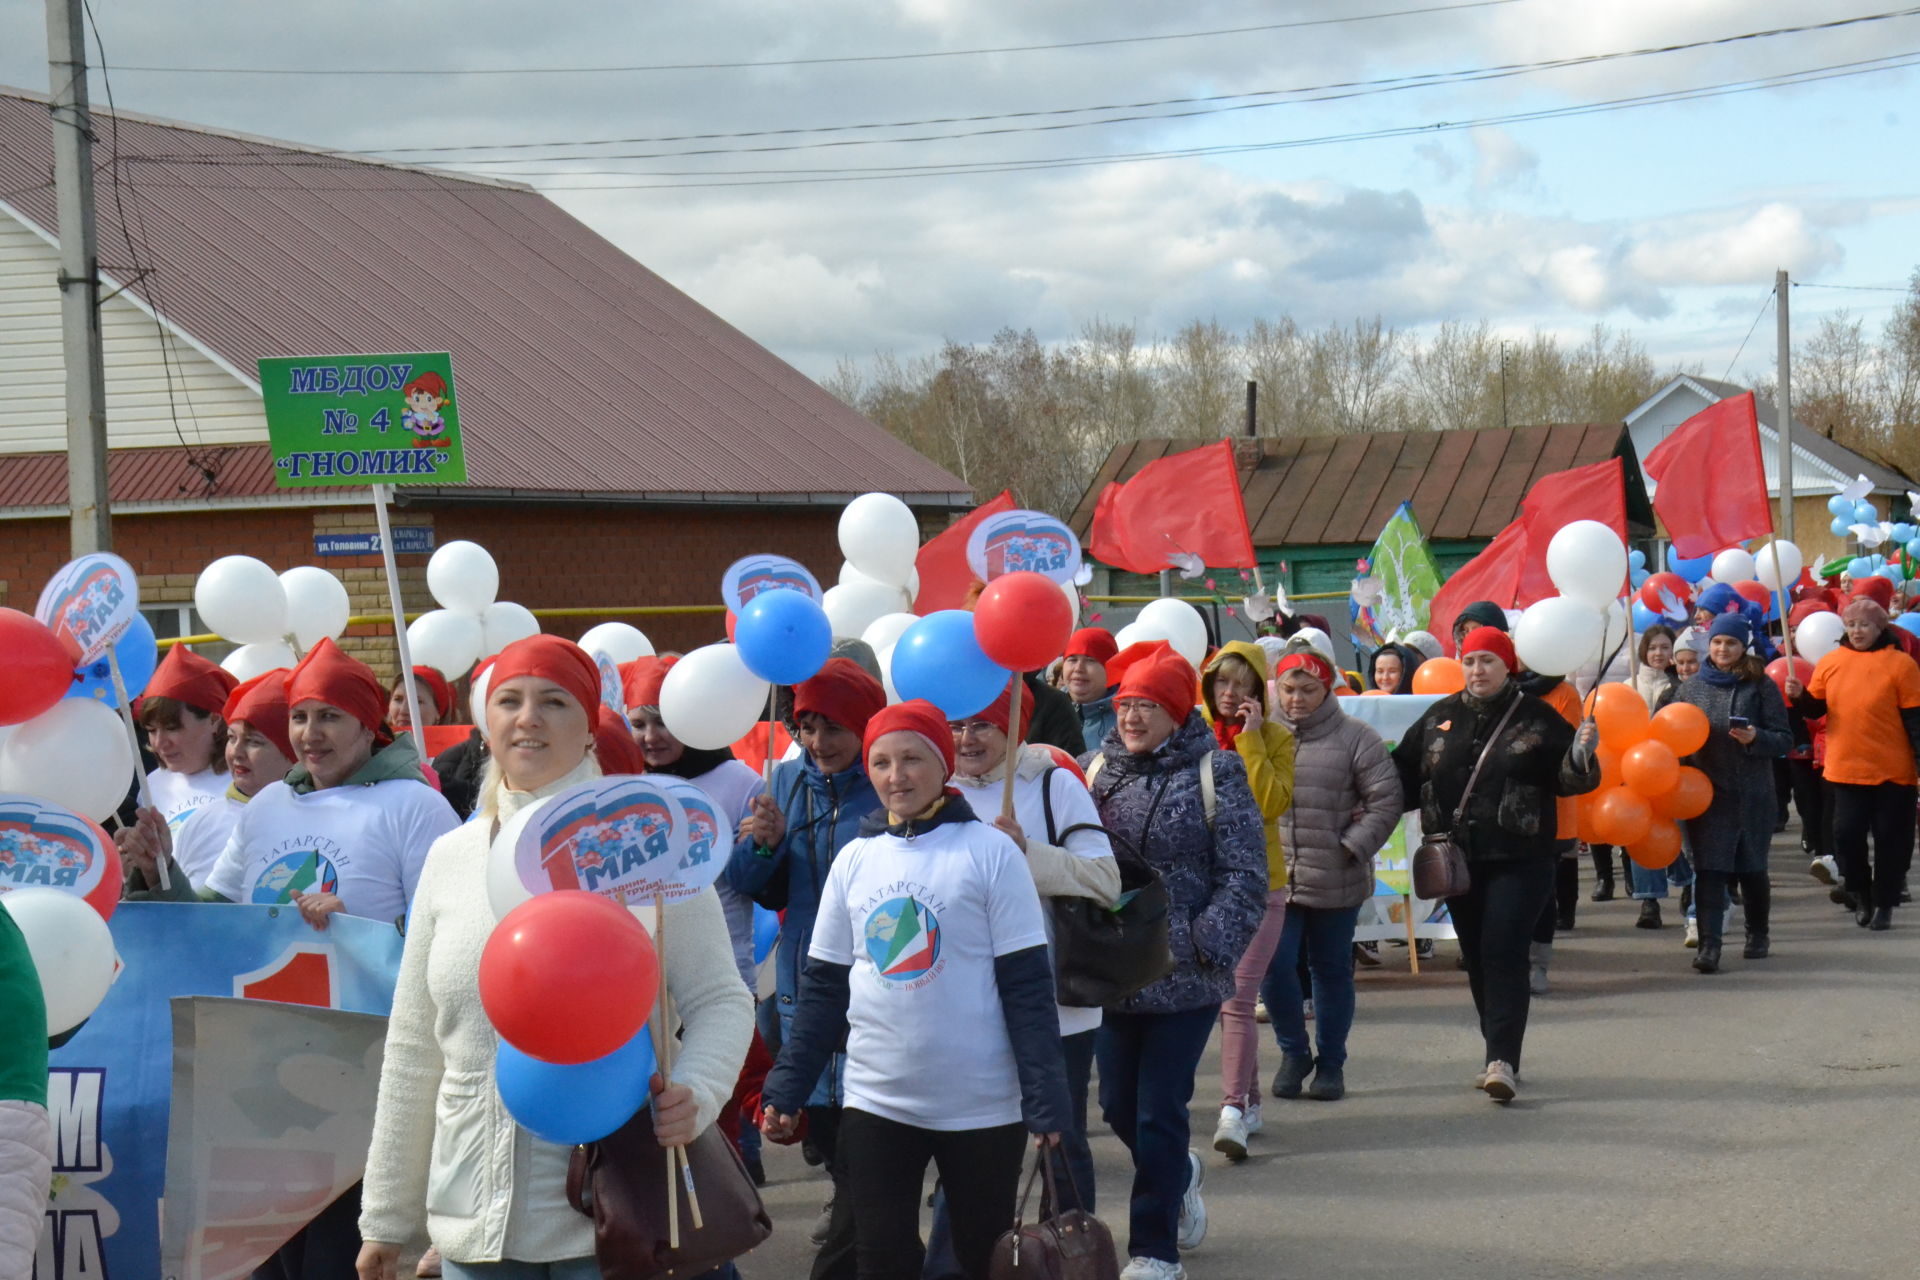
column 1239, row 1033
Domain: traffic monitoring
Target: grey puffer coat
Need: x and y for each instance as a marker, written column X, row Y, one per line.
column 1340, row 766
column 1216, row 876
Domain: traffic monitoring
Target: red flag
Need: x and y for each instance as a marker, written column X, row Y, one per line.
column 1718, row 494
column 1493, row 575
column 1594, row 492
column 945, row 577
column 1186, row 504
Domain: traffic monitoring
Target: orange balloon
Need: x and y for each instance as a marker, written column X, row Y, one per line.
column 1583, row 810
column 1659, row 847
column 1621, row 816
column 1692, row 793
column 1440, row 675
column 1621, row 714
column 1650, row 768
column 1682, row 726
column 1609, row 759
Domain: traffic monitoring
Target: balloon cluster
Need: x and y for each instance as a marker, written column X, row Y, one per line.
column 1588, row 564
column 1644, row 789
column 879, row 538
column 961, row 662
column 470, row 625
column 1176, row 622
column 243, row 600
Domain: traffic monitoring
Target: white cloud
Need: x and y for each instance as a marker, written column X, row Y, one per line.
column 1752, row 248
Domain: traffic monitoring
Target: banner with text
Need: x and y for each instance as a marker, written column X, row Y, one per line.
column 353, row 420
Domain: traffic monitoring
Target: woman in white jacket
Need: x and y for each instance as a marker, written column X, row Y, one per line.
column 445, row 1155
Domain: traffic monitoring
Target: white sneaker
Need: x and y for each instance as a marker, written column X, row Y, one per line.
column 1193, row 1211
column 1254, row 1123
column 1693, row 932
column 1230, row 1135
column 1153, row 1269
column 1825, row 870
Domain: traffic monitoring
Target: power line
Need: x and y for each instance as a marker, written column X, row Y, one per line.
column 813, row 62
column 1750, row 328
column 1858, row 288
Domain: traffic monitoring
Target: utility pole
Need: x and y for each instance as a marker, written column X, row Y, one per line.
column 1783, row 404
column 1503, row 384
column 1253, row 404
column 72, row 120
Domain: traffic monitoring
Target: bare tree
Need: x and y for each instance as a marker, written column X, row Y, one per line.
column 1454, row 380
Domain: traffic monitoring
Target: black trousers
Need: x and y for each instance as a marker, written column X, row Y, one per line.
column 835, row 1261
column 1495, row 920
column 1603, row 864
column 1886, row 811
column 1810, row 799
column 1564, row 902
column 1712, row 891
column 325, row 1249
column 886, row 1168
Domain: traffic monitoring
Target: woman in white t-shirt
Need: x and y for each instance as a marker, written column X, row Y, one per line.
column 180, row 711
column 929, row 956
column 1067, row 852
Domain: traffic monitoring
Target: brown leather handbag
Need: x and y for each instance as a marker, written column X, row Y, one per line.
column 1440, row 864
column 1068, row 1244
column 621, row 1183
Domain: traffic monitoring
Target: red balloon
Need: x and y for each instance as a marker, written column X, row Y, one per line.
column 1754, row 592
column 39, row 668
column 1023, row 621
column 568, row 976
column 1778, row 672
column 1066, row 762
column 1660, row 585
column 733, row 620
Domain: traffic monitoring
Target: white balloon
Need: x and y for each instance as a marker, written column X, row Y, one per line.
column 76, row 754
column 448, row 642
column 1131, row 634
column 1180, row 625
column 477, row 698
column 503, row 623
column 463, row 577
column 1619, row 626
column 887, row 630
column 619, row 641
column 880, row 536
column 505, row 889
column 913, row 587
column 1791, row 562
column 1818, row 636
column 885, row 659
column 1073, row 599
column 710, row 700
column 852, row 607
column 1733, row 565
column 72, row 950
column 241, row 599
column 1557, row 635
column 317, row 605
column 1587, row 561
column 251, row 660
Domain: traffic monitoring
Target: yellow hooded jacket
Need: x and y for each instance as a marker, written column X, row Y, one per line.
column 1267, row 753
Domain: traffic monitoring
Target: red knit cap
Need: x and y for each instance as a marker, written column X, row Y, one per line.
column 1092, row 642
column 1311, row 663
column 430, row 682
column 262, row 704
column 188, row 678
column 1491, row 640
column 1877, row 589
column 551, row 658
column 1162, row 676
column 613, row 745
column 844, row 693
column 640, row 680
column 1001, row 709
column 330, row 676
column 918, row 716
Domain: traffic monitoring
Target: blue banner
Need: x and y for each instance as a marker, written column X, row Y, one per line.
column 109, row 1087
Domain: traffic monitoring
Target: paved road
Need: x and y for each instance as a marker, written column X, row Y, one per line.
column 1762, row 1123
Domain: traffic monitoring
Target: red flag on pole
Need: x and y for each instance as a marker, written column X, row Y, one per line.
column 1718, row 492
column 945, row 577
column 1493, row 575
column 1597, row 491
column 1186, row 504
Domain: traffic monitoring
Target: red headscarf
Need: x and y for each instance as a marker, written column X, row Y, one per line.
column 1092, row 642
column 1001, row 710
column 1491, row 640
column 918, row 716
column 328, row 675
column 262, row 703
column 844, row 693
column 640, row 680
column 430, row 682
column 551, row 658
column 191, row 680
column 1161, row 676
column 1311, row 663
column 613, row 745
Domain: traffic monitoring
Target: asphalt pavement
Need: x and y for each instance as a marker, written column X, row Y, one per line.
column 1760, row 1123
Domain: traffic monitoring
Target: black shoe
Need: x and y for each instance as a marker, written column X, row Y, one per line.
column 1758, row 947
column 1882, row 919
column 1649, row 914
column 1706, row 959
column 1863, row 915
column 1563, row 923
column 1603, row 892
column 1329, row 1084
column 1293, row 1072
column 1841, row 897
column 755, row 1170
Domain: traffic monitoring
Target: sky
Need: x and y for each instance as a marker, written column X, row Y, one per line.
column 1668, row 220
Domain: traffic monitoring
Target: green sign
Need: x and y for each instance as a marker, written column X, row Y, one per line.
column 349, row 420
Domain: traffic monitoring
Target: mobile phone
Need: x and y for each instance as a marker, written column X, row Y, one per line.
column 1738, row 722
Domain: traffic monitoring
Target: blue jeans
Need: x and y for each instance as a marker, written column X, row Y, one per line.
column 1326, row 935
column 571, row 1269
column 1653, row 884
column 1147, row 1062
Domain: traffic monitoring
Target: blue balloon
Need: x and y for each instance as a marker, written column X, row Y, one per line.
column 1903, row 532
column 1840, row 505
column 1865, row 513
column 1643, row 617
column 766, row 930
column 1636, row 559
column 581, row 1102
column 1913, row 548
column 783, row 636
column 1690, row 570
column 1908, row 622
column 1891, row 572
column 138, row 655
column 938, row 658
column 1859, row 567
column 1638, row 578
column 1840, row 527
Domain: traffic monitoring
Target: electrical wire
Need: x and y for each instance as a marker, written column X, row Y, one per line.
column 1750, row 328
column 1858, row 288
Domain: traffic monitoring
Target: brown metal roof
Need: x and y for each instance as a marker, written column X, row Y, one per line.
column 579, row 370
column 1320, row 490
column 37, row 482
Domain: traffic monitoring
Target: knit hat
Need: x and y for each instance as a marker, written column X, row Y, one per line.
column 1735, row 625
column 190, row 679
column 1000, row 710
column 1876, row 588
column 551, row 658
column 262, row 704
column 640, row 680
column 328, row 675
column 919, row 717
column 1866, row 607
column 613, row 744
column 845, row 694
column 1491, row 640
column 1092, row 642
column 430, row 682
column 1160, row 676
column 1483, row 613
column 1692, row 640
column 1718, row 598
column 1424, row 643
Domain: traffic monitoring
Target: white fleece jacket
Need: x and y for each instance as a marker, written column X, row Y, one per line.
column 446, row 1156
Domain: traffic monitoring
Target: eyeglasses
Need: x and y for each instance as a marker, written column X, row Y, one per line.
column 1136, row 708
column 971, row 728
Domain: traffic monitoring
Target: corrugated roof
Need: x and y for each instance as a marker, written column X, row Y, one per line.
column 36, row 483
column 1320, row 490
column 578, row 369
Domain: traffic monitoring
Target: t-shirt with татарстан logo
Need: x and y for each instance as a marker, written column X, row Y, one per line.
column 920, row 922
